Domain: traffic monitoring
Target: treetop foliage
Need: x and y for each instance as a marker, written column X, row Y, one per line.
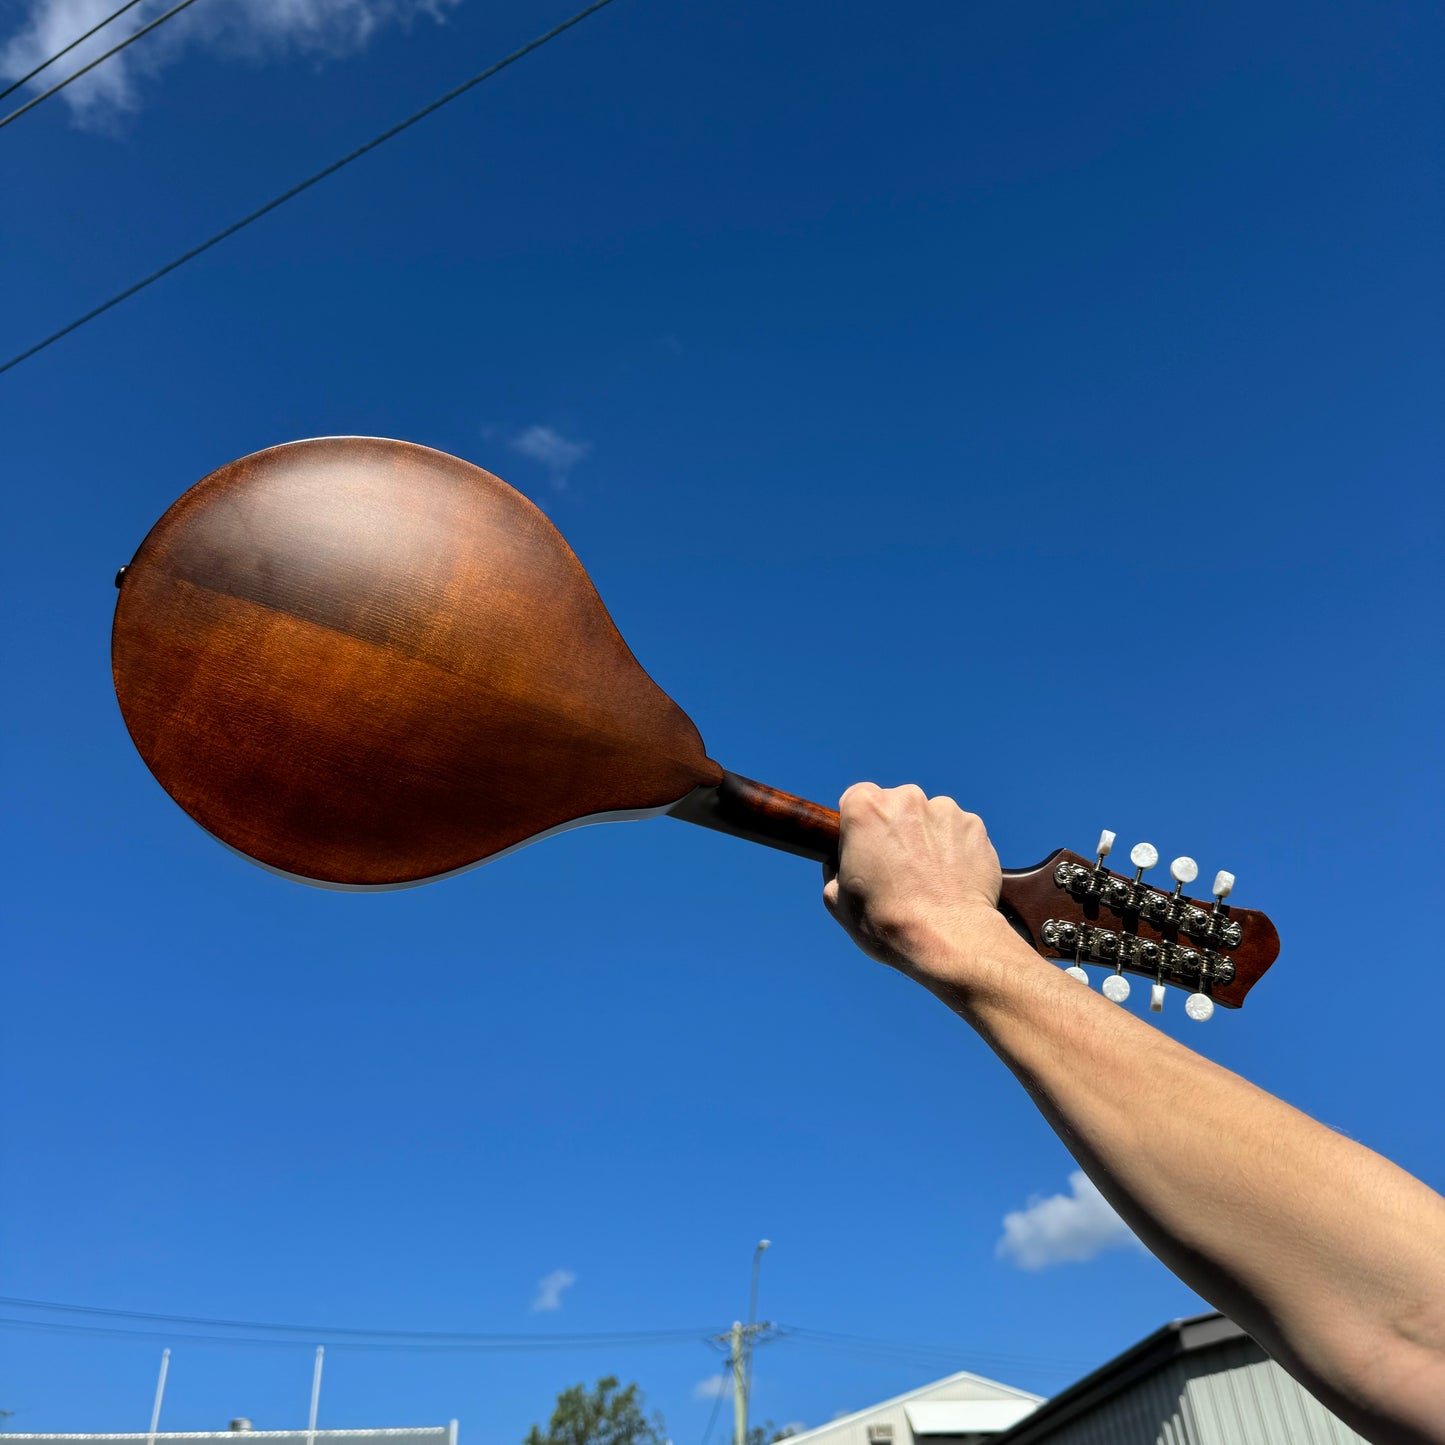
column 607, row 1415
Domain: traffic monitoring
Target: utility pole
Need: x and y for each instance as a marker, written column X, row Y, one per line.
column 739, row 1341
column 736, row 1339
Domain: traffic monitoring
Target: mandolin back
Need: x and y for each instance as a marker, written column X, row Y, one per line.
column 365, row 663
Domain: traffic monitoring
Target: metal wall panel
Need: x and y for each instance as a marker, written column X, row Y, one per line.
column 1230, row 1394
column 1257, row 1403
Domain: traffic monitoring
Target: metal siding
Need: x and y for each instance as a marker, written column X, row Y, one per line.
column 1257, row 1403
column 1229, row 1394
column 1143, row 1413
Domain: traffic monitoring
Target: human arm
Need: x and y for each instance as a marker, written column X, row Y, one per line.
column 1325, row 1252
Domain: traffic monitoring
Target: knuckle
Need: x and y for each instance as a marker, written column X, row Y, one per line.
column 854, row 795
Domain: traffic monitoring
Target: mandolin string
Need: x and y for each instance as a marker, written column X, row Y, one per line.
column 310, row 181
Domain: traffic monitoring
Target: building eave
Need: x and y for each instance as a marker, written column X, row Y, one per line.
column 1169, row 1342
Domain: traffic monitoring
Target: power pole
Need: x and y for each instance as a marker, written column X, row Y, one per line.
column 739, row 1341
column 740, row 1383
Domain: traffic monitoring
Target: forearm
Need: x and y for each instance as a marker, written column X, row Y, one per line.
column 1251, row 1203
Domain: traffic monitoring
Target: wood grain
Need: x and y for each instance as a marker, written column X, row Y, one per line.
column 366, row 663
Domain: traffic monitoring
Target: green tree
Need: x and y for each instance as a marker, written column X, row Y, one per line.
column 769, row 1434
column 608, row 1415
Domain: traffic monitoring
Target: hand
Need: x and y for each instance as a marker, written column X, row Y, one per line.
column 917, row 882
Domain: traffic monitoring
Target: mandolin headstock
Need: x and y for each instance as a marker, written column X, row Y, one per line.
column 1072, row 909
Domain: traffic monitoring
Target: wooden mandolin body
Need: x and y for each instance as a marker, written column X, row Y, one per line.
column 365, row 664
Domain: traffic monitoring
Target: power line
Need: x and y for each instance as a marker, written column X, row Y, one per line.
column 200, row 1329
column 717, row 1400
column 311, row 1331
column 66, row 49
column 458, row 1345
column 84, row 69
column 320, row 175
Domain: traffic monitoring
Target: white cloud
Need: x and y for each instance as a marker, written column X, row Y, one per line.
column 557, row 453
column 711, row 1388
column 253, row 29
column 549, row 1289
column 1063, row 1227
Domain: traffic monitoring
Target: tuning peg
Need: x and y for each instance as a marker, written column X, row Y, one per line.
column 1116, row 988
column 1182, row 871
column 1106, row 844
column 1143, row 856
column 1076, row 972
column 1223, row 887
column 1199, row 1007
column 1156, row 998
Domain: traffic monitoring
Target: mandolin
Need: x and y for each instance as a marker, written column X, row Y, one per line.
column 366, row 664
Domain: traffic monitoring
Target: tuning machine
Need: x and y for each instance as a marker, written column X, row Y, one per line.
column 1199, row 1006
column 1143, row 856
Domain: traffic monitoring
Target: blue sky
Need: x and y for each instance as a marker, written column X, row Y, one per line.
column 1037, row 403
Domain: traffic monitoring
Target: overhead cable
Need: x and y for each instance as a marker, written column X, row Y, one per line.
column 479, row 1339
column 66, row 49
column 310, row 181
column 202, row 1329
column 85, row 69
column 458, row 1345
column 717, row 1399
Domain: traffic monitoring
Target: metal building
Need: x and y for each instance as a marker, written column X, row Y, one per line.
column 963, row 1409
column 1199, row 1381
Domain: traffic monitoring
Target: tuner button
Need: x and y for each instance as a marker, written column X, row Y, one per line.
column 1223, row 885
column 1156, row 998
column 1199, row 1007
column 1078, row 973
column 1143, row 855
column 1184, row 870
column 1116, row 988
column 1106, row 844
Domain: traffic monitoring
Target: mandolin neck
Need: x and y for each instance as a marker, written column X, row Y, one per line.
column 760, row 814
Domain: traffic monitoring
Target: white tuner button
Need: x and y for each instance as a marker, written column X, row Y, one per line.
column 1184, row 870
column 1143, row 855
column 1106, row 843
column 1223, row 885
column 1078, row 973
column 1199, row 1007
column 1116, row 988
column 1156, row 998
